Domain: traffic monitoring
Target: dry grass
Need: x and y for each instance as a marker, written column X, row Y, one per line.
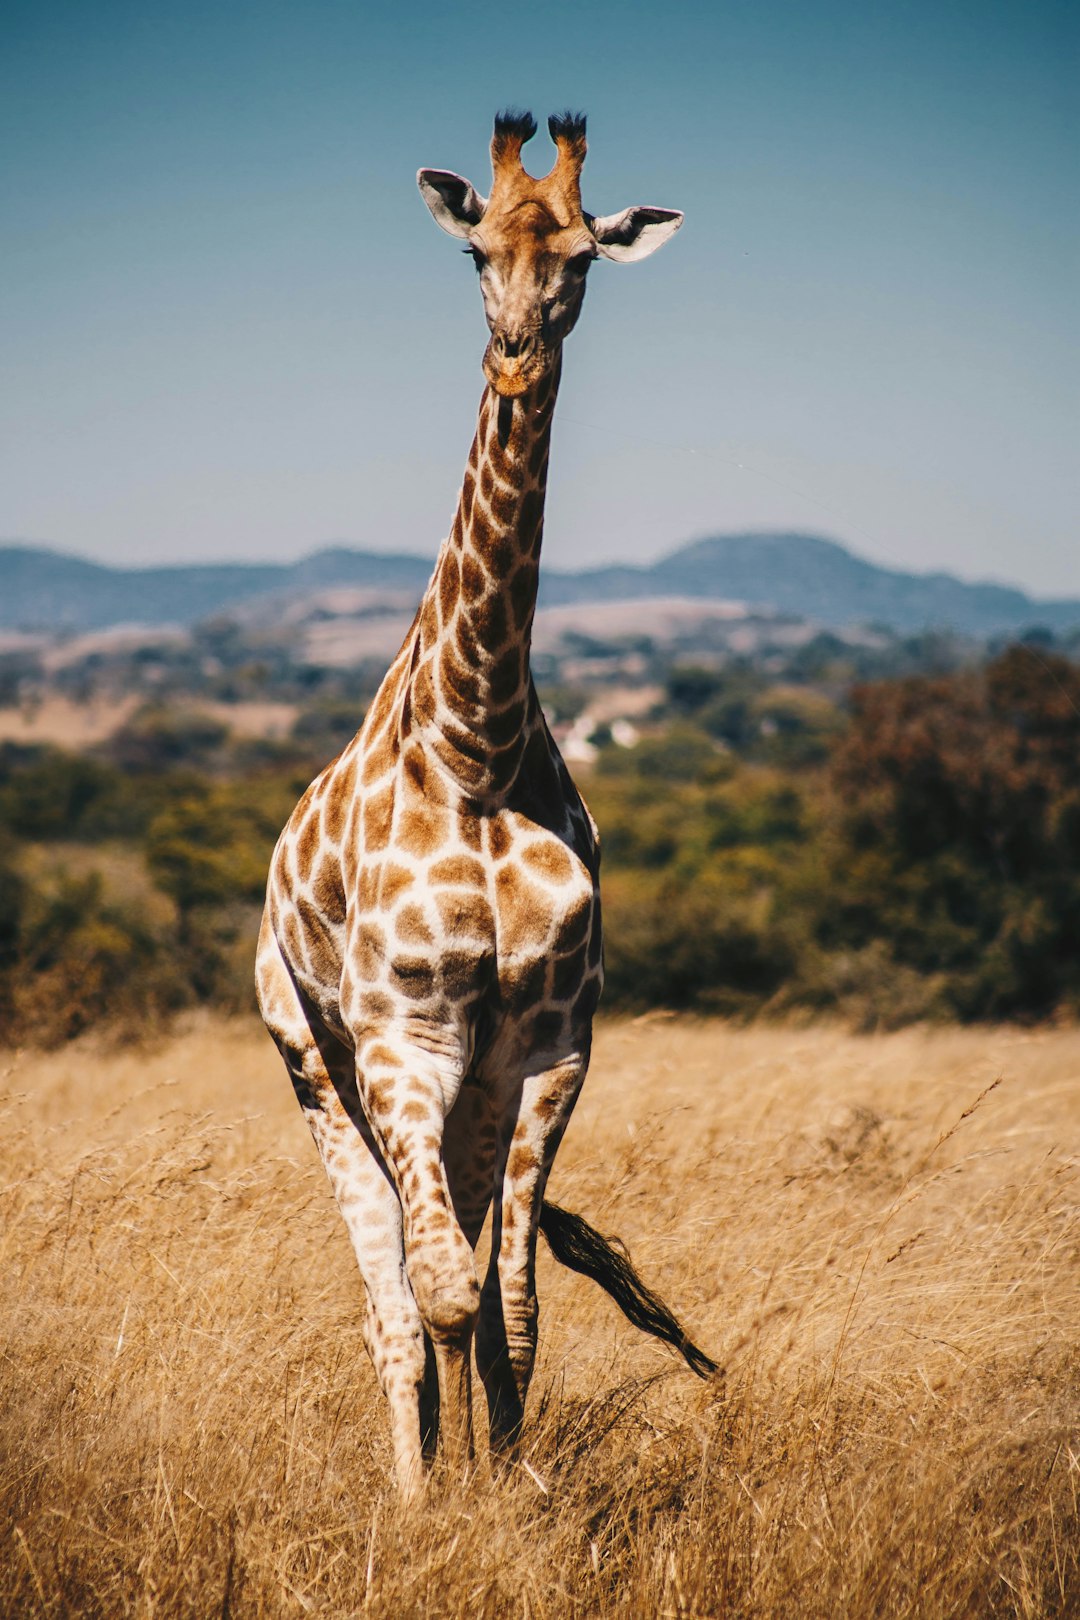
column 879, row 1236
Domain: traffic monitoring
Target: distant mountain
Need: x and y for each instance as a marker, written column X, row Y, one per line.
column 790, row 574
column 48, row 590
column 817, row 579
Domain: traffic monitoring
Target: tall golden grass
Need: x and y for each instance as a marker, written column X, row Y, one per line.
column 878, row 1236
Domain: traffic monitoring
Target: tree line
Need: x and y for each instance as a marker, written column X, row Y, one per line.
column 913, row 856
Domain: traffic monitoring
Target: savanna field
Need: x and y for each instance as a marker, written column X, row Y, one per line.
column 832, row 1118
column 877, row 1235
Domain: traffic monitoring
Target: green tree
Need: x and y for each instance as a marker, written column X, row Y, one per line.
column 958, row 832
column 203, row 852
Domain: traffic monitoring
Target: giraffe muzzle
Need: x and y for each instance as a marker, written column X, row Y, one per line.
column 513, row 362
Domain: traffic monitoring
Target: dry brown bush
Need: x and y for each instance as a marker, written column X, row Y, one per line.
column 877, row 1235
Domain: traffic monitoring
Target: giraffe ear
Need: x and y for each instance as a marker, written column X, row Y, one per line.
column 453, row 202
column 635, row 233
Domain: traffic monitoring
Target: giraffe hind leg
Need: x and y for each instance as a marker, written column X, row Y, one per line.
column 509, row 1313
column 429, row 1404
column 470, row 1145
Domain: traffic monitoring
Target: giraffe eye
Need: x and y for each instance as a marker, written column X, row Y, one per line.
column 580, row 262
column 478, row 258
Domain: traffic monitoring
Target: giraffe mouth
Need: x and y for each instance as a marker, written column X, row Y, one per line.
column 512, row 376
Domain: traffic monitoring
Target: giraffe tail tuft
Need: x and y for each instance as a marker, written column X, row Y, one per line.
column 577, row 1245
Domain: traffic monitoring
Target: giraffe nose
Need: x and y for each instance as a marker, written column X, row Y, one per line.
column 516, row 346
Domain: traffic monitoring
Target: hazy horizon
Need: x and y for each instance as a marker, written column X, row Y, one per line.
column 336, row 544
column 220, row 285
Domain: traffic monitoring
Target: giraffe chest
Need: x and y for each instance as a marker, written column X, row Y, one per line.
column 498, row 916
column 429, row 912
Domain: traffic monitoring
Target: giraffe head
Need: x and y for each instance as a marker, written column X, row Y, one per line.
column 533, row 244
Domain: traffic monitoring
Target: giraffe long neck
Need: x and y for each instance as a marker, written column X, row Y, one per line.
column 470, row 692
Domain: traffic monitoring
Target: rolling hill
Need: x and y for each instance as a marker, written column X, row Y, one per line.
column 802, row 575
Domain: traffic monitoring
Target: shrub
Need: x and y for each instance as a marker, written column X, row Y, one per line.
column 156, row 738
column 50, row 794
column 681, row 753
column 204, row 852
column 82, row 959
column 958, row 814
column 704, row 946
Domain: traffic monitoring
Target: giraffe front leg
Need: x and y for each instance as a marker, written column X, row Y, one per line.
column 321, row 1071
column 393, row 1327
column 407, row 1094
column 509, row 1314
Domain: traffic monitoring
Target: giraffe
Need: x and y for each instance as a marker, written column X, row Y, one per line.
column 430, row 954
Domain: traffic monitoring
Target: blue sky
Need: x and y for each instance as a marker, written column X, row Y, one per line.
column 231, row 330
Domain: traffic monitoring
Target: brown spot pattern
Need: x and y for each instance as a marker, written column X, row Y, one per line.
column 500, row 839
column 523, row 595
column 461, row 680
column 574, row 924
column 568, row 974
column 414, row 766
column 490, row 621
column 293, row 940
column 549, row 859
column 460, row 973
column 449, row 585
column 329, row 893
column 547, row 1028
column 420, row 830
column 504, row 505
column 375, row 1007
column 473, row 578
column 429, row 626
column 369, row 951
column 525, row 911
column 307, row 846
column 465, row 915
column 506, row 676
column 339, row 801
column 523, row 979
column 521, row 1161
column 412, row 927
column 461, row 869
column 503, row 556
column 392, row 881
column 378, row 814
column 470, row 828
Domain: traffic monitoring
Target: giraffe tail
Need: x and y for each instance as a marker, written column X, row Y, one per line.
column 576, row 1244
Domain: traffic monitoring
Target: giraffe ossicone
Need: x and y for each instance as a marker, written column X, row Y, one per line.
column 430, row 956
